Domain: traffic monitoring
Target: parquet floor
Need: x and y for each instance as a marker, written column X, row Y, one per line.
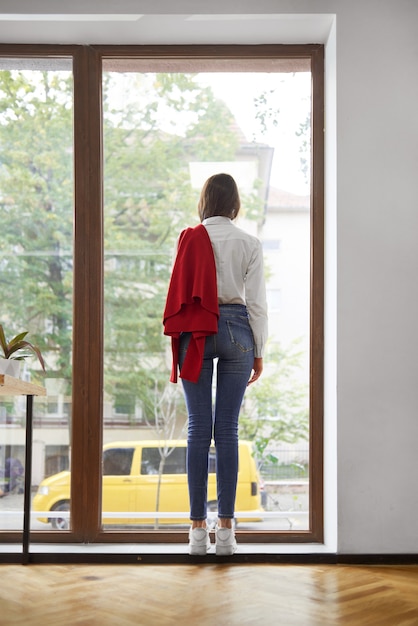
column 208, row 595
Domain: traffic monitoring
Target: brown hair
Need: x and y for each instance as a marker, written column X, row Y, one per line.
column 219, row 196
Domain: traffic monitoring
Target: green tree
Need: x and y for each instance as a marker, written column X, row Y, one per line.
column 149, row 141
column 37, row 204
column 275, row 408
column 166, row 410
column 304, row 134
column 151, row 134
column 148, row 198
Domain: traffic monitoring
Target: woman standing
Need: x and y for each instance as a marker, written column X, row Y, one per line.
column 216, row 309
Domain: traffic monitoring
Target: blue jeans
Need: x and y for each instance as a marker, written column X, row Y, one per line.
column 233, row 346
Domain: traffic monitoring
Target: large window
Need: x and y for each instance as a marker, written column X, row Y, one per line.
column 149, row 127
column 165, row 133
column 36, row 263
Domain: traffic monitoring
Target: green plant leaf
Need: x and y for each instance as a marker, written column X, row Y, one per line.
column 17, row 339
column 3, row 342
column 19, row 343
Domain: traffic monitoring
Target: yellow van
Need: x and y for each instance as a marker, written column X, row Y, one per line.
column 143, row 477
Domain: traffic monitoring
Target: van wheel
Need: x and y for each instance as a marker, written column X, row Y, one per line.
column 60, row 523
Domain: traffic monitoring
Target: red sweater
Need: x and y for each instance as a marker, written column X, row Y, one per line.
column 192, row 300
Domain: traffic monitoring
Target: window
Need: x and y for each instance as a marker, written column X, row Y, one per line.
column 176, row 124
column 117, row 461
column 111, row 272
column 36, row 255
column 153, row 460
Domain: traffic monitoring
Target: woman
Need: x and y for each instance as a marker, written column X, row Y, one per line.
column 216, row 309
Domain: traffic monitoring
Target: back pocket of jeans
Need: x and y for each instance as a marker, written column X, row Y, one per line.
column 241, row 335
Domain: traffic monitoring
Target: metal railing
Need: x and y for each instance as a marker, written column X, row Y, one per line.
column 290, row 465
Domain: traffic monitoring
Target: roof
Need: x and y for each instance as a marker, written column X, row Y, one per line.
column 284, row 200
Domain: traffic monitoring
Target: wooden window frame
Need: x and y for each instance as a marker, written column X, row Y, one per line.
column 87, row 420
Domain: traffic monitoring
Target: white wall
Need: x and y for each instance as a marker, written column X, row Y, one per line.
column 371, row 228
column 377, row 144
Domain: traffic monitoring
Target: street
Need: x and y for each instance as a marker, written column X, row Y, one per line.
column 290, row 513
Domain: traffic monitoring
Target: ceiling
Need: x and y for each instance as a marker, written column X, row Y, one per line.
column 136, row 29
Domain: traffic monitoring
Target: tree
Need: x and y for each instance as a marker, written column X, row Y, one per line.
column 139, row 239
column 275, row 409
column 151, row 134
column 146, row 168
column 166, row 404
column 36, row 184
column 304, row 134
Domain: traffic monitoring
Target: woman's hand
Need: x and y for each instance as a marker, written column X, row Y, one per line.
column 257, row 368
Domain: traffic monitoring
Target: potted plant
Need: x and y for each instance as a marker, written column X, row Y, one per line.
column 9, row 362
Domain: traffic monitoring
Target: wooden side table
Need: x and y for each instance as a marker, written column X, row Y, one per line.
column 10, row 386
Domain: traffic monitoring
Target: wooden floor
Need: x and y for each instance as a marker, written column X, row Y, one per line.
column 208, row 595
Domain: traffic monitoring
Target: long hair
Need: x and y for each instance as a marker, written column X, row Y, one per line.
column 219, row 196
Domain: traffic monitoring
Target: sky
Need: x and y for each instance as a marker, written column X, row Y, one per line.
column 288, row 97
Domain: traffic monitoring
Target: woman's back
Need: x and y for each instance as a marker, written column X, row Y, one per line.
column 239, row 272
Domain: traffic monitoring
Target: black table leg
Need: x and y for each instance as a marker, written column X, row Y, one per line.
column 28, row 481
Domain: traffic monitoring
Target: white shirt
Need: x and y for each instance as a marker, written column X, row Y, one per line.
column 240, row 273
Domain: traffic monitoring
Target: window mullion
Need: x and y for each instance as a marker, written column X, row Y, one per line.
column 88, row 298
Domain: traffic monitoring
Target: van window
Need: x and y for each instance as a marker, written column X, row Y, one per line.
column 175, row 462
column 117, row 461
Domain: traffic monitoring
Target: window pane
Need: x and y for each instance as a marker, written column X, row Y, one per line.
column 154, row 461
column 117, row 461
column 36, row 266
column 164, row 134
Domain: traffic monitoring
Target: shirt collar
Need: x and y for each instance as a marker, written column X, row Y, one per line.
column 217, row 219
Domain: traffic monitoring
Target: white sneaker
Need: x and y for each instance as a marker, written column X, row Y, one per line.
column 225, row 542
column 199, row 541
